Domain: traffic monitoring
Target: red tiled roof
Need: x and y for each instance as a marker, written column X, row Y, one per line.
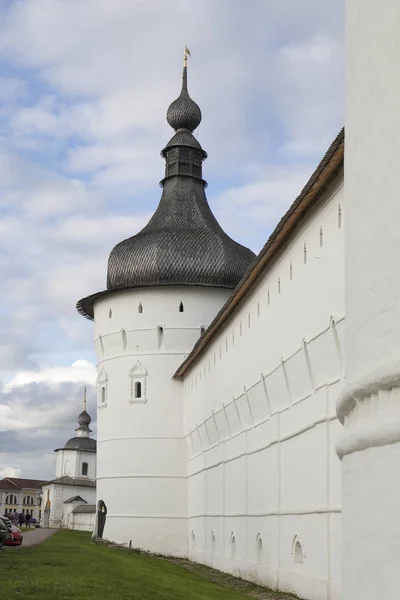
column 18, row 483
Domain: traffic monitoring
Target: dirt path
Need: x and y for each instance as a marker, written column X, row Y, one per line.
column 33, row 537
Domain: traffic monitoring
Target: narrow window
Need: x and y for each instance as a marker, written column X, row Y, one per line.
column 305, row 253
column 215, row 360
column 138, row 389
column 248, row 320
column 226, row 345
column 291, row 271
column 160, row 337
column 140, row 308
column 259, row 551
column 181, row 307
column 268, row 298
column 298, row 553
column 258, row 309
column 233, row 546
column 241, row 329
column 110, row 313
column 279, row 285
column 84, row 468
column 202, row 330
column 212, row 542
column 321, row 237
column 233, row 338
column 103, row 395
column 339, row 217
column 124, row 340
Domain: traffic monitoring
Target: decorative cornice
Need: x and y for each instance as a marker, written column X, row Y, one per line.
column 369, row 409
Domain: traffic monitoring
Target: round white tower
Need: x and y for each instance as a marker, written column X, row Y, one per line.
column 164, row 287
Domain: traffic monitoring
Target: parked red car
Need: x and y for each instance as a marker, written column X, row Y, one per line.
column 16, row 537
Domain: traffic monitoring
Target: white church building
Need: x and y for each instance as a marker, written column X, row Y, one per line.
column 225, row 379
column 69, row 500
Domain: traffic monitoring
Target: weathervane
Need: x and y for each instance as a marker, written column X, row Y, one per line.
column 185, row 55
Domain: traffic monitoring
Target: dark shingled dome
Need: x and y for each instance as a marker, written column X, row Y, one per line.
column 183, row 243
column 81, row 443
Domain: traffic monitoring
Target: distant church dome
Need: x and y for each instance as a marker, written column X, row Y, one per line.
column 81, row 443
column 84, row 419
column 183, row 243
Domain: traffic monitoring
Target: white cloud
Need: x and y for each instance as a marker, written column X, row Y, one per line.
column 83, row 97
column 9, row 472
column 79, row 371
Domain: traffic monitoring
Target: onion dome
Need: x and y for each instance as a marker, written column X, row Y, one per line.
column 184, row 113
column 183, row 243
column 84, row 419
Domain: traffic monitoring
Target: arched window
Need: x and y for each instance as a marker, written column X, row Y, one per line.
column 11, row 499
column 260, row 550
column 339, row 216
column 305, row 253
column 298, row 552
column 321, row 237
column 181, row 307
column 202, row 330
column 160, row 336
column 138, row 389
column 84, row 468
column 140, row 308
column 110, row 313
column 103, row 395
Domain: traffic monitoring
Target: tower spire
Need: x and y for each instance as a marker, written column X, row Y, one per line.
column 186, row 53
column 84, row 398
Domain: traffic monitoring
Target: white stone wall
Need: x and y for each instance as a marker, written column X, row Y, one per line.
column 260, row 422
column 83, row 521
column 370, row 405
column 140, row 450
column 58, row 494
column 69, row 462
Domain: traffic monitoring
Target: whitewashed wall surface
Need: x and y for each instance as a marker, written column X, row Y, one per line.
column 264, row 497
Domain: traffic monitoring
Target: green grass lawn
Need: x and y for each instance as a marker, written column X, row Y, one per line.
column 68, row 566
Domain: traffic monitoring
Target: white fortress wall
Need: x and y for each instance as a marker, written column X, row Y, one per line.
column 142, row 336
column 260, row 421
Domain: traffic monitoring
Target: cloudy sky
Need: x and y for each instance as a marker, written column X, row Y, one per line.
column 84, row 87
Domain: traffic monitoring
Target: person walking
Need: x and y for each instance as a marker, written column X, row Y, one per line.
column 28, row 519
column 21, row 519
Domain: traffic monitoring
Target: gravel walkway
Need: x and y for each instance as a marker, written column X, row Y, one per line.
column 33, row 537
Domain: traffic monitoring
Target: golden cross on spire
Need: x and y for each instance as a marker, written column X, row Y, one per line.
column 84, row 398
column 185, row 55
